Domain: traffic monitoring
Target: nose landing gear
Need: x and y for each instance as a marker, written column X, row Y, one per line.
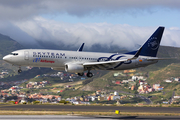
column 80, row 74
column 19, row 71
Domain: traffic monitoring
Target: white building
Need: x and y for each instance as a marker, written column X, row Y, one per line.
column 125, row 81
column 168, row 81
column 115, row 98
column 177, row 79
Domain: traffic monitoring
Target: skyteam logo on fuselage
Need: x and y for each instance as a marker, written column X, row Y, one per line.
column 48, row 54
column 153, row 43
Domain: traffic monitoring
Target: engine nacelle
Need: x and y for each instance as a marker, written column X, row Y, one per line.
column 74, row 68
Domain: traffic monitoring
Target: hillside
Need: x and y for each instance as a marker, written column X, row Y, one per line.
column 7, row 45
column 102, row 80
column 167, row 72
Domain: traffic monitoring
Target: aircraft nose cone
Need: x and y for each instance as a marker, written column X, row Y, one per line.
column 7, row 58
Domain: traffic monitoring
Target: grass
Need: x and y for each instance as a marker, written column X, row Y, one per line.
column 68, row 83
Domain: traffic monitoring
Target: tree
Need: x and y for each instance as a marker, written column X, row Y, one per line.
column 30, row 100
column 48, row 100
column 135, row 92
column 14, row 97
column 28, row 92
column 126, row 85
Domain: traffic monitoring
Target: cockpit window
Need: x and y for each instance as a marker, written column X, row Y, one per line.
column 14, row 54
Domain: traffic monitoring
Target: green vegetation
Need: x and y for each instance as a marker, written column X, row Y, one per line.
column 63, row 101
column 27, row 74
column 87, row 81
column 169, row 71
column 68, row 93
column 8, row 45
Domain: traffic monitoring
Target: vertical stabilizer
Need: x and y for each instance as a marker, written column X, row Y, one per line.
column 151, row 46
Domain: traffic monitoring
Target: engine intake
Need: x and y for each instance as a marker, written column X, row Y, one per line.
column 74, row 68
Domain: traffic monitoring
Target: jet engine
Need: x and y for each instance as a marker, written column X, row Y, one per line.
column 75, row 68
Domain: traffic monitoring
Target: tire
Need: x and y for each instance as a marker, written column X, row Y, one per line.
column 89, row 74
column 19, row 71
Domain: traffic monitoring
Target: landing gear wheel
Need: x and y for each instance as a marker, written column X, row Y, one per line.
column 19, row 71
column 80, row 74
column 89, row 74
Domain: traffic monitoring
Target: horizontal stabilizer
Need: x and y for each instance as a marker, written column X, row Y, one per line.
column 152, row 59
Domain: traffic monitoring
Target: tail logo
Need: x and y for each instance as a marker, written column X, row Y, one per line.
column 153, row 43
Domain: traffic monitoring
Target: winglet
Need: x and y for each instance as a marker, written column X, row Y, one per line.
column 80, row 48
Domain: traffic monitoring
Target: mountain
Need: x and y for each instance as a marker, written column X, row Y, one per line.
column 165, row 52
column 167, row 72
column 103, row 80
column 7, row 45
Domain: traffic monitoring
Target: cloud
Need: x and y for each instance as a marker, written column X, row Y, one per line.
column 25, row 9
column 104, row 34
column 22, row 20
column 13, row 31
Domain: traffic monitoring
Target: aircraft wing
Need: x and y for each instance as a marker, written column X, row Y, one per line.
column 104, row 64
column 109, row 64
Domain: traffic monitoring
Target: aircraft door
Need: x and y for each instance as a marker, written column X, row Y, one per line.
column 26, row 55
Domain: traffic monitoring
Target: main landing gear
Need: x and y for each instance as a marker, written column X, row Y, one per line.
column 89, row 74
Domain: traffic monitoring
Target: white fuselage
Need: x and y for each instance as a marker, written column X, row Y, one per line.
column 57, row 59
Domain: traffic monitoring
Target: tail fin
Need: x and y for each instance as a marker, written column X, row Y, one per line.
column 151, row 46
column 80, row 48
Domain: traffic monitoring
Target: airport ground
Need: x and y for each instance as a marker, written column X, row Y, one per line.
column 7, row 109
column 73, row 117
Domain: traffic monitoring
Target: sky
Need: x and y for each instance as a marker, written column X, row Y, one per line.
column 124, row 23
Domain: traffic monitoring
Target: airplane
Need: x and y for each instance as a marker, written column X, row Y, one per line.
column 79, row 61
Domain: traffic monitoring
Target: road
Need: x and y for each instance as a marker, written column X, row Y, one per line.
column 171, row 99
column 69, row 117
column 90, row 108
column 147, row 100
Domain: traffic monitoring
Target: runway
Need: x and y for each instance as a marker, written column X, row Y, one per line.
column 89, row 108
column 67, row 117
